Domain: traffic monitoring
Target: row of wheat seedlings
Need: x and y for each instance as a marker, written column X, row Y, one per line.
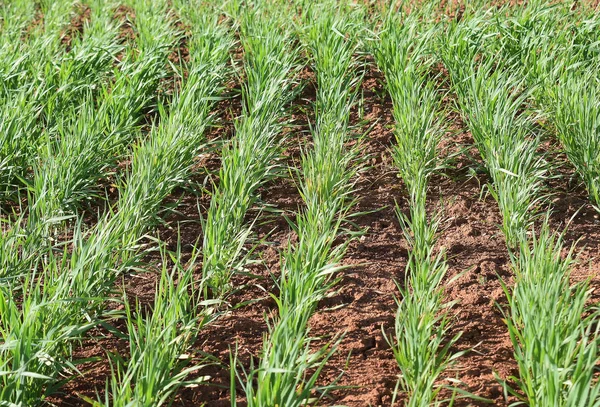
column 66, row 297
column 15, row 16
column 32, row 144
column 421, row 343
column 24, row 50
column 288, row 369
column 158, row 341
column 37, row 319
column 31, row 115
column 41, row 41
column 54, row 90
column 90, row 130
column 248, row 160
column 101, row 119
column 553, row 330
column 576, row 115
column 555, row 336
column 74, row 123
column 14, row 19
column 32, row 128
column 70, row 93
column 160, row 337
column 493, row 101
column 41, row 48
column 561, row 56
column 19, row 136
column 556, row 345
column 42, row 147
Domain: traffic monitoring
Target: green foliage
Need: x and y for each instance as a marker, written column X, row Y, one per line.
column 19, row 134
column 75, row 104
column 556, row 346
column 420, row 340
column 76, row 283
column 576, row 116
column 288, row 370
column 559, row 57
column 403, row 55
column 159, row 339
column 247, row 161
column 494, row 104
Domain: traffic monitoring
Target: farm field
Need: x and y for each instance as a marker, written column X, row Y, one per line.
column 292, row 202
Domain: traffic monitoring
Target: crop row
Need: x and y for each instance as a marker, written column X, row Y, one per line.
column 289, row 368
column 420, row 341
column 501, row 79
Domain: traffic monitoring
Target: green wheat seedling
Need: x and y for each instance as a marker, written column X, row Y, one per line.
column 29, row 70
column 15, row 17
column 288, row 370
column 558, row 57
column 577, row 120
column 56, row 15
column 19, row 134
column 88, row 64
column 24, row 89
column 158, row 342
column 11, row 261
column 420, row 341
column 44, row 42
column 542, row 36
column 53, row 312
column 159, row 339
column 176, row 142
column 556, row 345
column 530, row 37
column 247, row 161
column 64, row 82
column 402, row 53
column 35, row 49
column 35, row 335
column 569, row 93
column 494, row 104
column 91, row 133
column 295, row 384
column 165, row 159
column 32, row 128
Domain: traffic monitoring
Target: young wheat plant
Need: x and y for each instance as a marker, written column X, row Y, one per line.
column 248, row 160
column 556, row 345
column 288, row 369
column 420, row 341
column 494, row 102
